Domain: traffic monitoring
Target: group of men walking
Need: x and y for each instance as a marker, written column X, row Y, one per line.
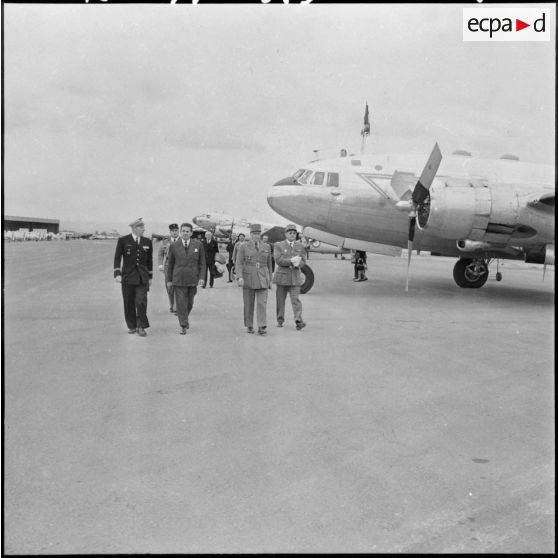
column 187, row 262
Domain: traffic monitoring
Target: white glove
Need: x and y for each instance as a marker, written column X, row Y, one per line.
column 161, row 268
column 295, row 260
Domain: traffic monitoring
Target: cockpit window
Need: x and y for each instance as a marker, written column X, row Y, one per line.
column 298, row 173
column 333, row 179
column 318, row 178
column 304, row 176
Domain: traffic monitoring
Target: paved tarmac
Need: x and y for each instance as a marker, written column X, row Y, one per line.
column 419, row 422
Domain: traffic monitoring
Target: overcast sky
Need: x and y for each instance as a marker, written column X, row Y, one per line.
column 164, row 111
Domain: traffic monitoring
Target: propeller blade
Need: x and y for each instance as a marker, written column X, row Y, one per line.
column 427, row 176
column 410, row 251
column 412, row 222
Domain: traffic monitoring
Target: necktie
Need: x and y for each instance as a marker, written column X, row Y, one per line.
column 257, row 245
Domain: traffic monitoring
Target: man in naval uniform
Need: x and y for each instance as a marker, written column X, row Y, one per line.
column 289, row 258
column 163, row 257
column 253, row 271
column 186, row 270
column 135, row 252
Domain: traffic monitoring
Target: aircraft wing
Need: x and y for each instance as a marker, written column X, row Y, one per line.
column 351, row 243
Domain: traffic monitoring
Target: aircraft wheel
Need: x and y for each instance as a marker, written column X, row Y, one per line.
column 470, row 274
column 498, row 276
column 308, row 279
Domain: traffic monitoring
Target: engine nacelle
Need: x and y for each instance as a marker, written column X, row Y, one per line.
column 544, row 256
column 472, row 245
column 449, row 211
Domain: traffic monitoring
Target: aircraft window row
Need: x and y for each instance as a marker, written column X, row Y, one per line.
column 305, row 176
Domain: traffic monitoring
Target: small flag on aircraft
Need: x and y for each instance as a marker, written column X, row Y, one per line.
column 366, row 129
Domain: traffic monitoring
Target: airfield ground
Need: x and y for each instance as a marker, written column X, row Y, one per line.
column 395, row 422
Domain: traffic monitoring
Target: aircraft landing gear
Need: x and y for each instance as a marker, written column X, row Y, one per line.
column 498, row 274
column 470, row 274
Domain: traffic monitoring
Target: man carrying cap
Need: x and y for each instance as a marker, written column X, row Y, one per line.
column 253, row 269
column 135, row 253
column 163, row 259
column 289, row 258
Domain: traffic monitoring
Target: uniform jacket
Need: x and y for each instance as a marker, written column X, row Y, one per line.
column 137, row 260
column 285, row 272
column 211, row 248
column 254, row 266
column 163, row 254
column 186, row 267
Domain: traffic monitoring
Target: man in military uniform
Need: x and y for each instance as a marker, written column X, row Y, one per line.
column 289, row 258
column 186, row 270
column 163, row 256
column 253, row 270
column 135, row 252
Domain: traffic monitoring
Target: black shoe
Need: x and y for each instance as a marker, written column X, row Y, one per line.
column 132, row 330
column 171, row 309
column 229, row 281
column 262, row 330
column 250, row 330
column 279, row 324
column 141, row 332
column 183, row 330
column 300, row 325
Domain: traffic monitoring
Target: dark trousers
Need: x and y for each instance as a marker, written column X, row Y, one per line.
column 184, row 303
column 170, row 292
column 135, row 305
column 210, row 269
column 230, row 266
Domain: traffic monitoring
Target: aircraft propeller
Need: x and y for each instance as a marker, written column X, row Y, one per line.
column 420, row 193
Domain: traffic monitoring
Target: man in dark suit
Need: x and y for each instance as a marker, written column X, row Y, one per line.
column 186, row 270
column 211, row 248
column 136, row 254
column 163, row 257
column 289, row 258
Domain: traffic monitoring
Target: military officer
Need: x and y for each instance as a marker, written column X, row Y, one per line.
column 289, row 258
column 135, row 252
column 253, row 271
column 163, row 260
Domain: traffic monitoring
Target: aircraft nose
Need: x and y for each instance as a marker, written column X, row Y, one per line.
column 288, row 181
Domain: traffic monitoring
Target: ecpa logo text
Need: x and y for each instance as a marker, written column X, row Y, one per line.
column 519, row 24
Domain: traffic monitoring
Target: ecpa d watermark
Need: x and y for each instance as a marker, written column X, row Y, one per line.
column 507, row 24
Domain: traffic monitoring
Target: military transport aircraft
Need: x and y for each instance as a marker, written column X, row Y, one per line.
column 475, row 209
column 224, row 225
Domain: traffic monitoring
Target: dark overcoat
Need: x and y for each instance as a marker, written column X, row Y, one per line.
column 186, row 266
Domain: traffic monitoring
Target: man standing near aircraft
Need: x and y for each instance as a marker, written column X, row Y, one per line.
column 163, row 256
column 186, row 270
column 289, row 258
column 136, row 255
column 211, row 248
column 230, row 250
column 253, row 269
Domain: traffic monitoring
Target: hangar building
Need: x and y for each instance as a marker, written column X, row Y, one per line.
column 30, row 223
